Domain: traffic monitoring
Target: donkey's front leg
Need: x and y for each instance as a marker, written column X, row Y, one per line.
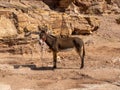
column 54, row 60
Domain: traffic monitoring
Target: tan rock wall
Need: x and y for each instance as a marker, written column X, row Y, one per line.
column 30, row 14
column 7, row 27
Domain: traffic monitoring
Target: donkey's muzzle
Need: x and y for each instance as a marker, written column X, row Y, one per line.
column 41, row 42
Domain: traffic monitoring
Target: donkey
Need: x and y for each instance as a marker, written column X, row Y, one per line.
column 57, row 44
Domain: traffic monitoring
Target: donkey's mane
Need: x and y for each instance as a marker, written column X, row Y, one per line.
column 51, row 36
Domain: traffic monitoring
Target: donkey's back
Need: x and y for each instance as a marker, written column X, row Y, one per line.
column 69, row 42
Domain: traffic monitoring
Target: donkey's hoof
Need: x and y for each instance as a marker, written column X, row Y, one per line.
column 81, row 67
column 54, row 67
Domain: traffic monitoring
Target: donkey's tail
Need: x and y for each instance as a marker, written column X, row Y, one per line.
column 83, row 55
column 83, row 50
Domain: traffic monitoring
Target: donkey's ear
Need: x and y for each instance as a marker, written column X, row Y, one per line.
column 39, row 28
column 45, row 28
column 26, row 30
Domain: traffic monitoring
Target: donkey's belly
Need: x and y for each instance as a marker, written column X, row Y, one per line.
column 65, row 46
column 65, row 50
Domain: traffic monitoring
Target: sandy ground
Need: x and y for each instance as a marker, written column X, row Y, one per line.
column 101, row 71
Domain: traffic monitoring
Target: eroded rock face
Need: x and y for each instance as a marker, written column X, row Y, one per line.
column 30, row 14
column 62, row 17
column 67, row 24
column 97, row 7
column 58, row 23
column 85, row 24
column 7, row 24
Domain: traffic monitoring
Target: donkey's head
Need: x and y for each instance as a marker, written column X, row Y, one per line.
column 43, row 28
column 42, row 32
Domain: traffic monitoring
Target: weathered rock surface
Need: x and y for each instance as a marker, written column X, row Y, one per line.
column 97, row 7
column 7, row 25
column 30, row 14
column 38, row 13
column 63, row 17
column 5, row 87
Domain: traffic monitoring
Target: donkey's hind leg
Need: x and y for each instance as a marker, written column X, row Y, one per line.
column 82, row 62
column 81, row 57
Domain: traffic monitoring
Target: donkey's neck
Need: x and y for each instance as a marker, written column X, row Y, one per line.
column 50, row 40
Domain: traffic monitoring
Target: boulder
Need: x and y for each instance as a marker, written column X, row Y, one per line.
column 24, row 20
column 97, row 8
column 84, row 24
column 7, row 25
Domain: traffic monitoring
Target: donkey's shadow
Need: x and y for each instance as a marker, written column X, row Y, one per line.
column 32, row 67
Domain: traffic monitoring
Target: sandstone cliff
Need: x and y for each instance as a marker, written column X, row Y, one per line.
column 63, row 17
